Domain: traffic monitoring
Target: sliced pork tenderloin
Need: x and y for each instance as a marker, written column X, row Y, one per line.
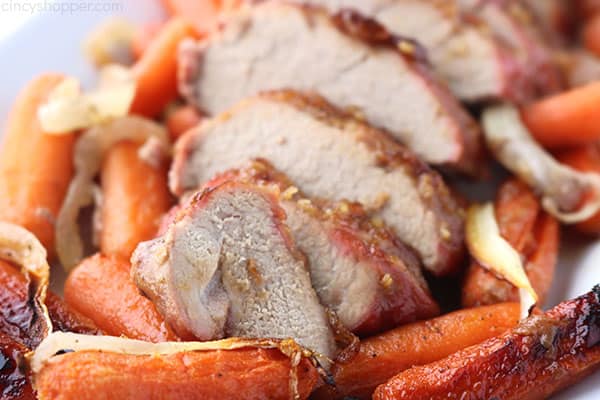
column 359, row 269
column 476, row 64
column 353, row 62
column 513, row 22
column 227, row 266
column 330, row 155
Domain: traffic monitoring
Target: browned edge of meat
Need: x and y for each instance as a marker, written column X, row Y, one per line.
column 541, row 356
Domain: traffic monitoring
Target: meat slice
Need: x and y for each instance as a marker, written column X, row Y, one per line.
column 227, row 266
column 330, row 155
column 354, row 63
column 358, row 268
column 476, row 64
column 554, row 17
column 514, row 23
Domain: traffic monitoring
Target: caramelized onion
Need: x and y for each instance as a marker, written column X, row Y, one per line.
column 110, row 42
column 68, row 109
column 569, row 195
column 494, row 253
column 89, row 152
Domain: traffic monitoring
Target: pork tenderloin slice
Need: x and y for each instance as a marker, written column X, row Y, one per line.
column 359, row 269
column 513, row 22
column 227, row 266
column 475, row 64
column 330, row 155
column 352, row 62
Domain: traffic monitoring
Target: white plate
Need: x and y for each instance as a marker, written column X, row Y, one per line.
column 51, row 41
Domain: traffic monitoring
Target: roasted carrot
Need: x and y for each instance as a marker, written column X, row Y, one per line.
column 35, row 168
column 100, row 288
column 540, row 356
column 156, row 72
column 181, row 120
column 17, row 314
column 591, row 35
column 585, row 159
column 383, row 356
column 532, row 232
column 15, row 381
column 217, row 374
column 143, row 37
column 202, row 14
column 566, row 119
column 135, row 197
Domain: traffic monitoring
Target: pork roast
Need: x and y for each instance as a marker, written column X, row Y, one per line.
column 475, row 63
column 358, row 268
column 354, row 63
column 331, row 155
column 513, row 22
column 227, row 266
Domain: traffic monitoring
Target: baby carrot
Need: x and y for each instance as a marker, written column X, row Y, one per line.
column 156, row 71
column 539, row 357
column 100, row 288
column 204, row 375
column 181, row 120
column 135, row 197
column 569, row 118
column 35, row 168
column 585, row 159
column 383, row 356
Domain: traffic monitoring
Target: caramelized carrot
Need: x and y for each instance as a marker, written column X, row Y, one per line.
column 17, row 315
column 202, row 14
column 181, row 120
column 539, row 357
column 156, row 72
column 591, row 35
column 383, row 356
column 35, row 168
column 532, row 232
column 100, row 288
column 15, row 381
column 585, row 159
column 143, row 37
column 217, row 374
column 566, row 119
column 135, row 197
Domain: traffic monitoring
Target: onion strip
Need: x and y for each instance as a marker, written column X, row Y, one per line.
column 89, row 152
column 494, row 253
